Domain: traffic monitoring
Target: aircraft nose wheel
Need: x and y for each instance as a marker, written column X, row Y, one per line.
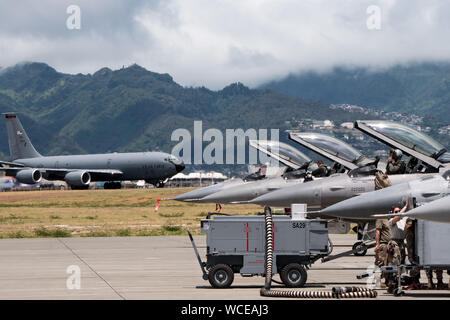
column 398, row 292
column 359, row 249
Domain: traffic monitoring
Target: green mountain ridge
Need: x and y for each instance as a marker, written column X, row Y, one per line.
column 421, row 88
column 132, row 109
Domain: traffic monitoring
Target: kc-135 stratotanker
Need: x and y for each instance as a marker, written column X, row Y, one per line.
column 28, row 166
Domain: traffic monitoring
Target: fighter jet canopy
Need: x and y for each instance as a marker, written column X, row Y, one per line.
column 410, row 138
column 282, row 152
column 332, row 148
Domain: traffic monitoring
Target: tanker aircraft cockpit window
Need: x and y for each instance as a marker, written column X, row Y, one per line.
column 175, row 160
column 410, row 138
column 283, row 150
column 331, row 145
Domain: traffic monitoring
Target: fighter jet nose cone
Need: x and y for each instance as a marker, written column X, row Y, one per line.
column 224, row 196
column 262, row 200
column 438, row 211
column 275, row 198
column 197, row 194
column 368, row 204
column 181, row 197
column 285, row 197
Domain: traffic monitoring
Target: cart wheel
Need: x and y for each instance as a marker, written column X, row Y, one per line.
column 359, row 249
column 293, row 275
column 221, row 276
column 399, row 292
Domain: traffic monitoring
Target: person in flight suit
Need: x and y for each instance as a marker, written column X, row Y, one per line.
column 321, row 171
column 395, row 164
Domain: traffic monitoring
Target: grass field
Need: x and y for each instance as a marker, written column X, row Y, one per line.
column 102, row 213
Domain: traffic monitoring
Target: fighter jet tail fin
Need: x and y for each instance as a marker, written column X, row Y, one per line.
column 20, row 145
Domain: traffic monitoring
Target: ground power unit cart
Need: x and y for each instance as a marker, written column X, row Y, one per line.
column 236, row 244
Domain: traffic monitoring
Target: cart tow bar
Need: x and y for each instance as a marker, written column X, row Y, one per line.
column 364, row 245
column 202, row 264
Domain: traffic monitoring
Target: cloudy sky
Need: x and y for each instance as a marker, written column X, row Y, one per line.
column 216, row 42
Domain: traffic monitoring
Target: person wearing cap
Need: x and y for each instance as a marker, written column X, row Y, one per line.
column 396, row 245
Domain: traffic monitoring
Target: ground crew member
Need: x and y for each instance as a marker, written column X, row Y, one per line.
column 382, row 237
column 396, row 245
column 395, row 164
column 439, row 276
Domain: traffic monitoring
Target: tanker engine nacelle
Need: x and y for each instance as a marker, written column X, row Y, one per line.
column 78, row 178
column 29, row 176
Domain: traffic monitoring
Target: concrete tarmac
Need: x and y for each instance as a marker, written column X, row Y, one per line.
column 152, row 268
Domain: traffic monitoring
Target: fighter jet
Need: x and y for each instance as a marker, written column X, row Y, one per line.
column 425, row 189
column 28, row 166
column 298, row 166
column 344, row 156
column 292, row 158
column 432, row 157
column 339, row 186
column 326, row 192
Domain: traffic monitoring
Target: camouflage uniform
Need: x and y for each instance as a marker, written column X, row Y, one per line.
column 439, row 277
column 382, row 181
column 381, row 254
column 396, row 250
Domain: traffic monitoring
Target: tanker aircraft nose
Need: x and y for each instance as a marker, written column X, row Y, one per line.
column 178, row 163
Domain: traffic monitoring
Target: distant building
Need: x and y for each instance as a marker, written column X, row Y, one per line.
column 196, row 179
column 347, row 125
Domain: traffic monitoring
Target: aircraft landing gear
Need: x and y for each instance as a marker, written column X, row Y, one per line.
column 79, row 187
column 364, row 235
column 112, row 185
column 359, row 249
column 159, row 184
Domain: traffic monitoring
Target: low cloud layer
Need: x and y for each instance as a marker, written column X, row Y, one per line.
column 216, row 42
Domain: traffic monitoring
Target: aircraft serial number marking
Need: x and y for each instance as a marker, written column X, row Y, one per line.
column 299, row 225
